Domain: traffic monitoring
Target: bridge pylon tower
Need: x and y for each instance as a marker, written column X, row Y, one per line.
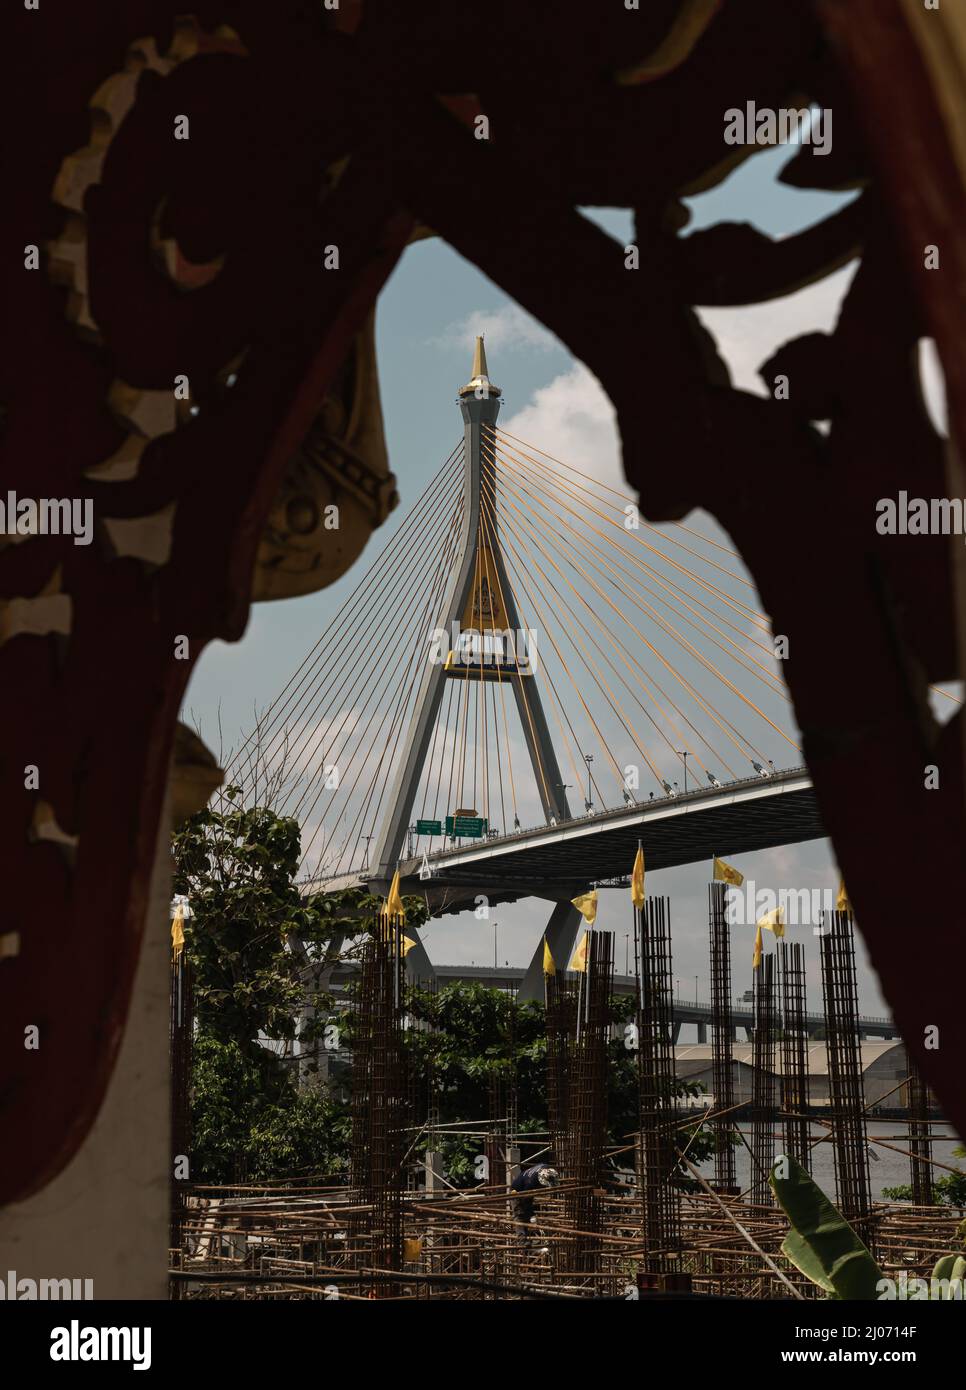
column 484, row 640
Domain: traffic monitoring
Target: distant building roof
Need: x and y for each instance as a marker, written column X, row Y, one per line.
column 692, row 1058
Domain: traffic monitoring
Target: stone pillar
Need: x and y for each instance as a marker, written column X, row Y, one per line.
column 105, row 1216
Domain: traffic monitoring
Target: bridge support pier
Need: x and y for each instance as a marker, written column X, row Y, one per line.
column 702, row 1032
column 418, row 964
column 561, row 933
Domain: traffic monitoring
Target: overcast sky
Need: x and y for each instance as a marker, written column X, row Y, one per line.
column 426, row 321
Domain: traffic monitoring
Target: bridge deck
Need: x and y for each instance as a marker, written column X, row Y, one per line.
column 758, row 813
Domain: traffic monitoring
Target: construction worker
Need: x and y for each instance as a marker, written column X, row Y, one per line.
column 525, row 1185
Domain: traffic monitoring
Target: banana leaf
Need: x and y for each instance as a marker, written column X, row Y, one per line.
column 950, row 1267
column 821, row 1243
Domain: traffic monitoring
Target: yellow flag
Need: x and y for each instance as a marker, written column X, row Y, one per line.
column 406, row 944
column 177, row 932
column 724, row 873
column 637, row 879
column 842, row 903
column 549, row 968
column 394, row 903
column 773, row 921
column 579, row 961
column 587, row 903
column 412, row 1248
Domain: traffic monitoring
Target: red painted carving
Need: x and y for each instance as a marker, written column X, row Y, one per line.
column 871, row 622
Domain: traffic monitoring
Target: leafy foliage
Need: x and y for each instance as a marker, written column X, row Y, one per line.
column 821, row 1243
column 238, row 868
column 251, row 1122
column 479, row 1032
column 947, row 1191
column 250, row 1118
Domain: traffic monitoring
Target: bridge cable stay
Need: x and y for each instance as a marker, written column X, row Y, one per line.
column 348, row 655
column 286, row 710
column 521, row 470
column 669, row 629
column 514, row 556
column 542, row 470
column 553, row 568
column 625, row 499
column 399, row 694
column 516, row 575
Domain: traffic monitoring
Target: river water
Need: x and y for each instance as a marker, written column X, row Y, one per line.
column 886, row 1167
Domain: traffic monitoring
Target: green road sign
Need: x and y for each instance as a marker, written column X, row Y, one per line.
column 429, row 827
column 467, row 827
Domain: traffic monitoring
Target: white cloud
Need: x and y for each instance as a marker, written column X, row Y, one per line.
column 504, row 329
column 573, row 420
column 749, row 335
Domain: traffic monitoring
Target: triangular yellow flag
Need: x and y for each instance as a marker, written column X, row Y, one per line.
column 579, row 961
column 177, row 932
column 394, row 903
column 724, row 873
column 549, row 968
column 587, row 903
column 842, row 903
column 406, row 944
column 773, row 921
column 637, row 879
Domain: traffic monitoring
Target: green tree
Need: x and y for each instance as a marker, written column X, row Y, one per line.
column 261, row 951
column 479, row 1032
column 249, row 919
column 947, row 1191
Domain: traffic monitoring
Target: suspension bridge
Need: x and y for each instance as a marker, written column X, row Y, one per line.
column 528, row 681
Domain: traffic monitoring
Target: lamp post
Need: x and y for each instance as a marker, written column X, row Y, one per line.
column 589, row 803
column 682, row 753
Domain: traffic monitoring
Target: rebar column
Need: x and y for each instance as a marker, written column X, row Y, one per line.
column 587, row 1121
column 180, row 1039
column 846, row 1092
column 512, row 1086
column 658, row 1100
column 561, row 1020
column 920, row 1138
column 495, row 1145
column 379, row 1101
column 722, row 1037
column 763, row 1082
column 794, row 1048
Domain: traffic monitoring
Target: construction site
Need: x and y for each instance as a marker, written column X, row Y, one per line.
column 634, row 1220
